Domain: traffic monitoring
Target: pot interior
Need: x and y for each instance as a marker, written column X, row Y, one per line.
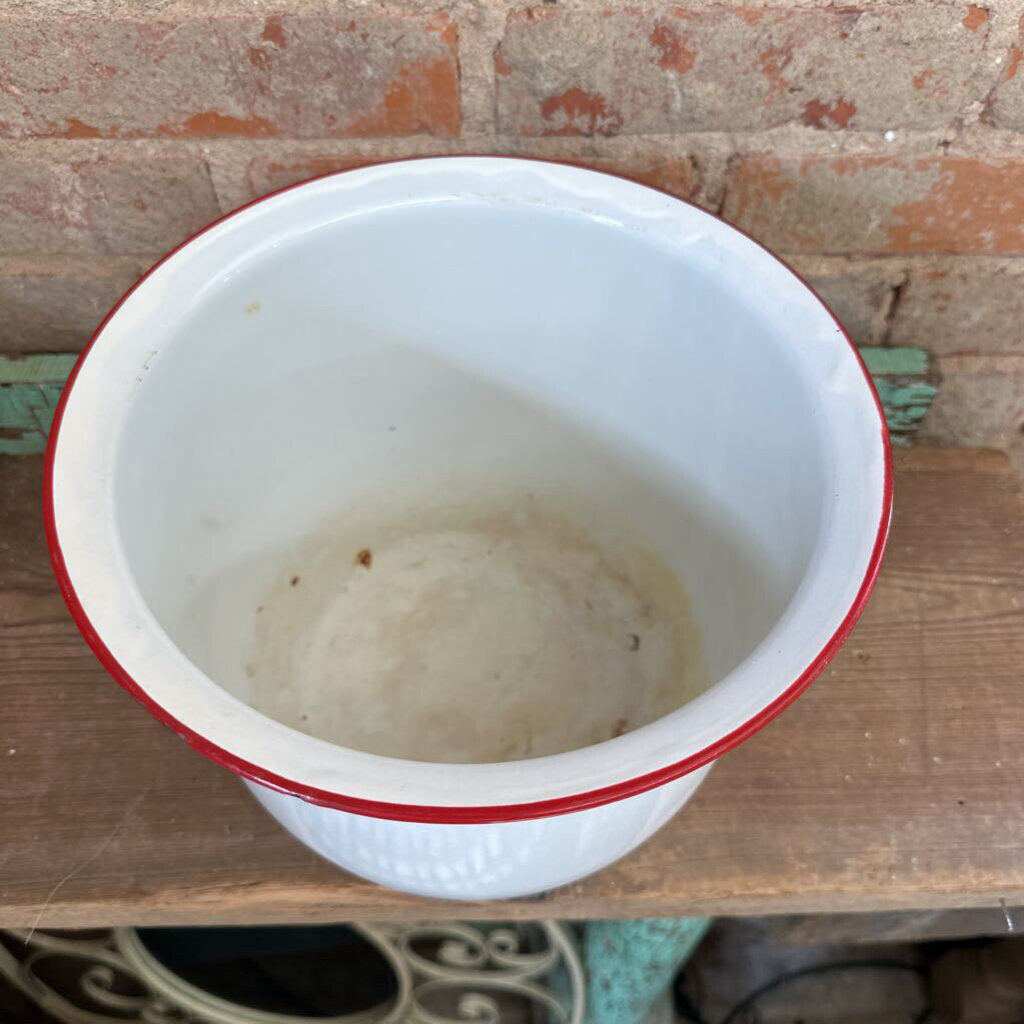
column 458, row 478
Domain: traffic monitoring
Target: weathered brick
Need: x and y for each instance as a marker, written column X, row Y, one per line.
column 731, row 69
column 266, row 174
column 963, row 309
column 647, row 164
column 676, row 175
column 115, row 204
column 860, row 295
column 1006, row 107
column 879, row 204
column 979, row 403
column 320, row 75
column 56, row 311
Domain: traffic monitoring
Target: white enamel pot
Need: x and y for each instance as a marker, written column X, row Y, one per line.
column 244, row 389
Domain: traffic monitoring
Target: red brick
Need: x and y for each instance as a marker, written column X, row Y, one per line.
column 647, row 164
column 670, row 174
column 731, row 69
column 860, row 294
column 857, row 304
column 1006, row 107
column 980, row 403
column 117, row 205
column 879, row 204
column 319, row 75
column 972, row 307
column 56, row 310
column 267, row 174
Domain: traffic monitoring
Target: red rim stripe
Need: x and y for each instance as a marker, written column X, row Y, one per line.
column 441, row 814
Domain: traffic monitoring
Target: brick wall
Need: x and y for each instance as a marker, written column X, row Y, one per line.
column 879, row 147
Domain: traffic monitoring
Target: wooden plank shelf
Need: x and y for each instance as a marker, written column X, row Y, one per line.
column 896, row 782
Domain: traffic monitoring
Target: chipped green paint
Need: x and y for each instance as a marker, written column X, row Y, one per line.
column 906, row 405
column 906, row 387
column 49, row 369
column 31, row 385
column 906, row 362
column 629, row 963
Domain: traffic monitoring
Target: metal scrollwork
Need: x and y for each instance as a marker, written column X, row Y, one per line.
column 445, row 973
column 96, row 998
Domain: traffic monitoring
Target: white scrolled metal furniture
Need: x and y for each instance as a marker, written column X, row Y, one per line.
column 445, row 973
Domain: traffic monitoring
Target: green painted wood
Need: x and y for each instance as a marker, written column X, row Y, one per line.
column 26, row 411
column 31, row 385
column 905, row 404
column 907, row 386
column 37, row 369
column 630, row 963
column 908, row 362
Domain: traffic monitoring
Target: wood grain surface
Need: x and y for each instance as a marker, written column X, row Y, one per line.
column 897, row 781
